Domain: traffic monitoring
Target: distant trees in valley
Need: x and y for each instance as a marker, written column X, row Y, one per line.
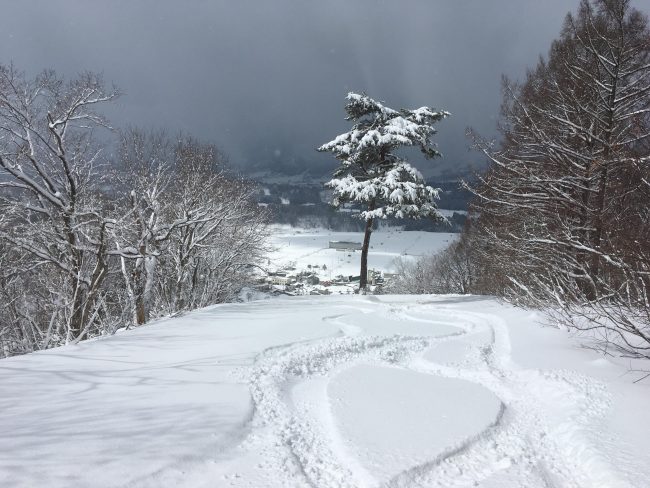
column 324, row 216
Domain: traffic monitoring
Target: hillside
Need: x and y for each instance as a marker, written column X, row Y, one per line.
column 326, row 392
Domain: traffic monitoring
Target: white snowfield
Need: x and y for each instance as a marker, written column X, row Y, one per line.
column 338, row 391
column 310, row 247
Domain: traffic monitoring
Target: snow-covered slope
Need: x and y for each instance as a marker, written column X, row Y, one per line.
column 326, row 392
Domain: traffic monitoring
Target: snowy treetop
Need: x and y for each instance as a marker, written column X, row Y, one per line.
column 370, row 171
column 360, row 105
column 372, row 174
column 384, row 129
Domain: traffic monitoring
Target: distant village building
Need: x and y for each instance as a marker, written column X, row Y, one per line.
column 345, row 245
column 281, row 278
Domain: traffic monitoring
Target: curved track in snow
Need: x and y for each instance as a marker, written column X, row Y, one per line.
column 544, row 433
column 326, row 392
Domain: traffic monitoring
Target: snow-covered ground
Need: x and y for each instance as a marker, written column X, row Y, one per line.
column 310, row 247
column 338, row 391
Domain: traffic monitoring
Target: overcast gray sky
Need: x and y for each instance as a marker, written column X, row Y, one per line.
column 266, row 79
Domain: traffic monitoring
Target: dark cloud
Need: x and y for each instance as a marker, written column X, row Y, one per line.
column 265, row 79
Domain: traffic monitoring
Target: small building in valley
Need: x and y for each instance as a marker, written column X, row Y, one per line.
column 345, row 245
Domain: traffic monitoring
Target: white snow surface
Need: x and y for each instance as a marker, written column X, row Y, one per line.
column 337, row 391
column 310, row 247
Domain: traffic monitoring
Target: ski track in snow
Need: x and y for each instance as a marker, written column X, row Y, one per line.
column 545, row 435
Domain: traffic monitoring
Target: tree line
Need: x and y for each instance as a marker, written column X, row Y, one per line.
column 561, row 219
column 94, row 238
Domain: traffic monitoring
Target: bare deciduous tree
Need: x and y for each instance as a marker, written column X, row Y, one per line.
column 453, row 270
column 563, row 207
column 188, row 230
column 88, row 245
column 48, row 176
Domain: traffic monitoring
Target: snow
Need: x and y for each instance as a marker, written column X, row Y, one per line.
column 310, row 247
column 420, row 409
column 400, row 190
column 337, row 391
column 450, row 213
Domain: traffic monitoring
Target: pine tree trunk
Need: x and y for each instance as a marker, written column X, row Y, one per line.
column 363, row 279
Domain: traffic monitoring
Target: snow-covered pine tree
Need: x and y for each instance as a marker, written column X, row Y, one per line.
column 372, row 174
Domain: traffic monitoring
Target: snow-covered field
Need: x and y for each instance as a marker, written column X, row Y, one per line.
column 310, row 247
column 338, row 391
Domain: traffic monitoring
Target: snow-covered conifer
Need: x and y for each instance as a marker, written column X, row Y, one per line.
column 370, row 171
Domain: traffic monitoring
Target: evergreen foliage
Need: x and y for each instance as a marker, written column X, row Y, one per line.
column 370, row 171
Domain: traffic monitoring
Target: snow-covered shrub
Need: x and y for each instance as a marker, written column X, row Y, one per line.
column 450, row 271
